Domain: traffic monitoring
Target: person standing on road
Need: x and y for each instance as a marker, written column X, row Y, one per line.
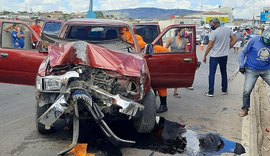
column 239, row 36
column 177, row 43
column 37, row 28
column 254, row 62
column 162, row 92
column 220, row 42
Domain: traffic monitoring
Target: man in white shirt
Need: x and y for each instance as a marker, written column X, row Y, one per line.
column 220, row 42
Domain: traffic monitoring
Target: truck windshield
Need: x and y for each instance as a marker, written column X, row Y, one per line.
column 116, row 38
column 93, row 33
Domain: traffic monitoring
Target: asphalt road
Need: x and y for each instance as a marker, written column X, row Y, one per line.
column 218, row 114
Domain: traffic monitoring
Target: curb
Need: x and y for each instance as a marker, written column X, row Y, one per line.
column 251, row 126
column 252, row 132
column 264, row 140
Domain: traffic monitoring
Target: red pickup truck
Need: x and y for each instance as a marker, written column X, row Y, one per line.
column 92, row 72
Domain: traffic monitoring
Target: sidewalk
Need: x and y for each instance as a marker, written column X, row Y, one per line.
column 263, row 96
column 254, row 137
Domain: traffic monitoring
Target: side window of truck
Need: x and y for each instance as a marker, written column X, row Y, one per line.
column 176, row 40
column 148, row 32
column 16, row 36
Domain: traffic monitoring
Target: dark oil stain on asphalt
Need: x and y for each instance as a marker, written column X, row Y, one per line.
column 224, row 109
column 167, row 137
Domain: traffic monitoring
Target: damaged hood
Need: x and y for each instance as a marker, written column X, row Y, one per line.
column 84, row 53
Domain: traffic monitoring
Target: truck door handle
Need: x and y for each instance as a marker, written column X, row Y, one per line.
column 188, row 60
column 4, row 55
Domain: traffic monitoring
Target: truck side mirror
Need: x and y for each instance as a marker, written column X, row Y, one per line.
column 149, row 49
column 42, row 46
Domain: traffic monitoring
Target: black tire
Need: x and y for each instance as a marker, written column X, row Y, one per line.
column 146, row 122
column 40, row 127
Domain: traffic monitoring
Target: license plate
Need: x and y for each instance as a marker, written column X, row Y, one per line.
column 52, row 114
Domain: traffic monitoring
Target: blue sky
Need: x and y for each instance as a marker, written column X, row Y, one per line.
column 242, row 8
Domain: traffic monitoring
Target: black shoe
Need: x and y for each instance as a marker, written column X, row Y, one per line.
column 162, row 109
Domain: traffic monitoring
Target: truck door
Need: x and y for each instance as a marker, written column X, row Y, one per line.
column 170, row 68
column 19, row 65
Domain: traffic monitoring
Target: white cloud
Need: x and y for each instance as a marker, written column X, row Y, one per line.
column 242, row 8
column 246, row 8
column 78, row 5
column 209, row 7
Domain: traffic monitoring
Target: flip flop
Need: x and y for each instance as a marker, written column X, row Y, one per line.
column 176, row 95
column 267, row 129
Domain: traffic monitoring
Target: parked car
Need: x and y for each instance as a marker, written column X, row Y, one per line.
column 92, row 73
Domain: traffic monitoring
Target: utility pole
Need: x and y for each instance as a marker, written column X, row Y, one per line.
column 202, row 23
column 219, row 10
column 253, row 20
column 232, row 16
column 25, row 6
column 91, row 13
column 91, row 5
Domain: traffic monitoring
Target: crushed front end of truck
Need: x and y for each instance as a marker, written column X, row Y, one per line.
column 87, row 81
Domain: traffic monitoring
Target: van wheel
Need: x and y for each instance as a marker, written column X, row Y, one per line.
column 146, row 122
column 40, row 127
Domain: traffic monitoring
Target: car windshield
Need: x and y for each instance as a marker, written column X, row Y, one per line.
column 108, row 37
column 52, row 28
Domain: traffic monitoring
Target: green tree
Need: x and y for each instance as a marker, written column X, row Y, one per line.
column 66, row 17
column 5, row 12
column 99, row 14
column 202, row 23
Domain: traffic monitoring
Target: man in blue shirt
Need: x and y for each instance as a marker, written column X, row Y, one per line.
column 255, row 62
column 17, row 35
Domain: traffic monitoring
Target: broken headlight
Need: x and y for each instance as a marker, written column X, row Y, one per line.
column 52, row 84
column 48, row 83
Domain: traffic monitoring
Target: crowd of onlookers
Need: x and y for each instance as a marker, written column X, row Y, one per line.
column 245, row 34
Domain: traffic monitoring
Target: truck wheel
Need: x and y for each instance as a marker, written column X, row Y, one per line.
column 39, row 111
column 146, row 122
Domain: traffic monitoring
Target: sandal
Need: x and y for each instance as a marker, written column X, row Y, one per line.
column 176, row 95
column 267, row 129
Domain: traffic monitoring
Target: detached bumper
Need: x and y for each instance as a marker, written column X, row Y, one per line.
column 128, row 107
column 57, row 109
